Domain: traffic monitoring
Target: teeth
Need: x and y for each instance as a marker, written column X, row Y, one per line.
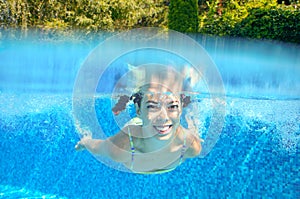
column 162, row 128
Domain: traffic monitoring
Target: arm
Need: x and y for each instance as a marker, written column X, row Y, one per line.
column 115, row 147
column 195, row 147
column 95, row 146
column 193, row 140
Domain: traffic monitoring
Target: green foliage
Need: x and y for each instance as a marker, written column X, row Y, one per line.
column 183, row 15
column 221, row 19
column 275, row 23
column 88, row 16
column 262, row 19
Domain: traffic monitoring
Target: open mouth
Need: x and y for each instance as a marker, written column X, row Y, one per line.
column 163, row 130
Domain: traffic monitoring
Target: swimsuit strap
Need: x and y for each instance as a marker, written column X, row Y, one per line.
column 131, row 148
column 183, row 148
column 162, row 171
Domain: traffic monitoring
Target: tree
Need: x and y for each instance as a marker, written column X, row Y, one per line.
column 183, row 15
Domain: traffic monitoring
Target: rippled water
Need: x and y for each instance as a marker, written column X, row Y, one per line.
column 257, row 154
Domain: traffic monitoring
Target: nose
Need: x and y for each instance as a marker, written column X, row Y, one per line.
column 163, row 115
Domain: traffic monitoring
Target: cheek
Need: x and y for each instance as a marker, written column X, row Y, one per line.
column 175, row 117
column 150, row 117
column 146, row 117
column 176, row 120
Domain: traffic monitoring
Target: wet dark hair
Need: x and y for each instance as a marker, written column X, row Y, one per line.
column 121, row 104
column 185, row 100
column 137, row 99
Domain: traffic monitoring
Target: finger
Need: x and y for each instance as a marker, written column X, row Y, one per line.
column 189, row 121
column 79, row 147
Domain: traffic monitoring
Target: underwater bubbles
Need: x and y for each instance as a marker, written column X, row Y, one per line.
column 110, row 72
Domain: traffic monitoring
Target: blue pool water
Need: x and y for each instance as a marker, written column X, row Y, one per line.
column 256, row 156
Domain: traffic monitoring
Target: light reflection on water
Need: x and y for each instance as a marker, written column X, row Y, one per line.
column 248, row 68
column 261, row 137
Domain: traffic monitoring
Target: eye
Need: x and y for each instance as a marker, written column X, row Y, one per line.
column 173, row 107
column 150, row 106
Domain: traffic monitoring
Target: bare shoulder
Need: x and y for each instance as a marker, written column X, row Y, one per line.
column 119, row 146
column 122, row 138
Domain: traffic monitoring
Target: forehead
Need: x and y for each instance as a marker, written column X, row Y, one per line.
column 157, row 88
column 157, row 92
column 161, row 97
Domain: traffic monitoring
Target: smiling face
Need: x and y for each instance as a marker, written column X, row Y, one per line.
column 160, row 111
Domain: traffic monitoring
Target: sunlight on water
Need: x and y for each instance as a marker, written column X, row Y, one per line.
column 253, row 68
column 21, row 104
column 46, row 130
column 16, row 192
column 257, row 153
column 248, row 68
column 283, row 114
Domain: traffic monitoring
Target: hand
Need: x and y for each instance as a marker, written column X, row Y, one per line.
column 191, row 124
column 192, row 128
column 81, row 145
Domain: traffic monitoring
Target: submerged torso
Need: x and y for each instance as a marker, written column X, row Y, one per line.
column 146, row 158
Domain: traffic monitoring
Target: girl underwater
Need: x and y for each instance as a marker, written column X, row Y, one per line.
column 154, row 141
